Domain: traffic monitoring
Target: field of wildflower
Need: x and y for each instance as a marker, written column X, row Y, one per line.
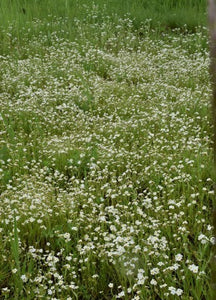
column 106, row 174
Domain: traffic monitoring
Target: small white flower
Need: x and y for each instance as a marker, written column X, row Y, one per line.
column 129, row 290
column 141, row 271
column 140, row 276
column 201, row 237
column 121, row 294
column 113, row 228
column 74, row 228
column 202, row 273
column 49, row 292
column 14, row 271
column 67, row 236
column 110, row 285
column 24, row 278
column 179, row 292
column 153, row 282
column 141, row 281
column 154, row 271
column 209, row 227
column 172, row 290
column 193, row 268
column 204, row 242
column 213, row 240
column 5, row 290
column 178, row 257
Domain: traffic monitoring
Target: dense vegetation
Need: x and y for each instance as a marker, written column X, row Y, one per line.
column 106, row 174
column 162, row 15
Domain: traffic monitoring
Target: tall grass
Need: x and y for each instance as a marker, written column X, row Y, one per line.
column 158, row 11
column 19, row 17
column 165, row 14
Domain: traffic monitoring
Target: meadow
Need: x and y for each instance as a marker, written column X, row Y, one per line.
column 106, row 169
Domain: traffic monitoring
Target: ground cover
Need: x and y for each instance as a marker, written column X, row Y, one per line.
column 106, row 164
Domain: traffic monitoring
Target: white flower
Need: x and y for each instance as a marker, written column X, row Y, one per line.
column 193, row 268
column 140, row 276
column 172, row 290
column 113, row 228
column 102, row 218
column 209, row 227
column 141, row 271
column 213, row 240
column 179, row 292
column 154, row 271
column 49, row 292
column 5, row 290
column 74, row 228
column 141, row 281
column 202, row 238
column 67, row 236
column 110, row 285
column 14, row 271
column 24, row 278
column 204, row 241
column 175, row 267
column 121, row 294
column 153, row 282
column 178, row 257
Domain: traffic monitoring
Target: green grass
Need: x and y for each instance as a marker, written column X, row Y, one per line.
column 106, row 176
column 167, row 12
column 17, row 17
